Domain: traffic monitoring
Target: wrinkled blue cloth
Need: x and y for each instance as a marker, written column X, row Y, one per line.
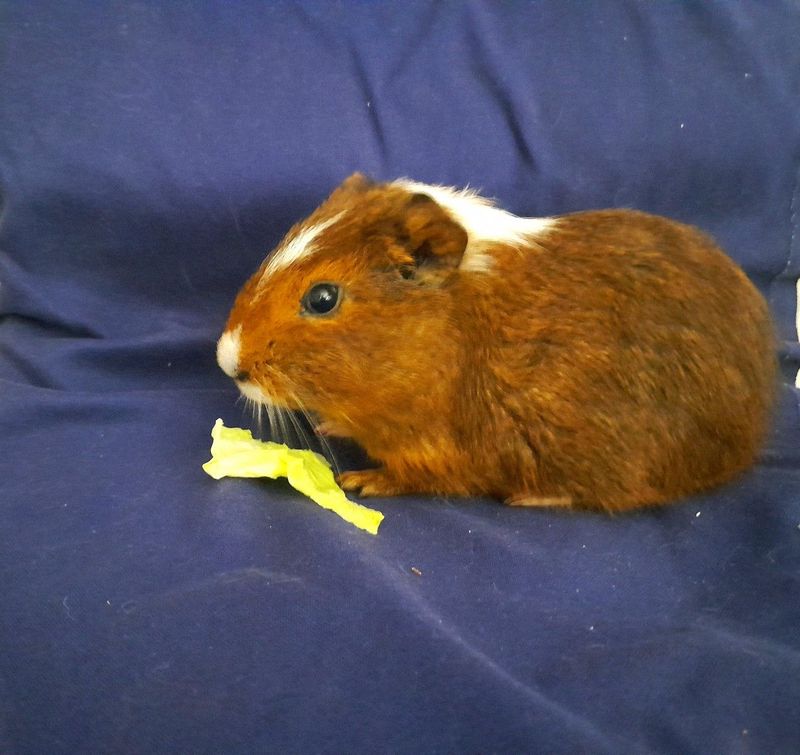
column 150, row 155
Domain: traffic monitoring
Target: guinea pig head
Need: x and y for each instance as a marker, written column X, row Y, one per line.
column 349, row 314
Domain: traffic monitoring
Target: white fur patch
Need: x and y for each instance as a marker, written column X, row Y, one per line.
column 484, row 223
column 253, row 392
column 228, row 348
column 298, row 247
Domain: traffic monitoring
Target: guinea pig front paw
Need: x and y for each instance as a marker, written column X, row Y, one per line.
column 370, row 482
column 331, row 430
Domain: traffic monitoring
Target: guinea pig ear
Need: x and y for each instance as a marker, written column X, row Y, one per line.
column 434, row 241
column 356, row 183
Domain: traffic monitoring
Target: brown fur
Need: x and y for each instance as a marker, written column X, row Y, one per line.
column 618, row 360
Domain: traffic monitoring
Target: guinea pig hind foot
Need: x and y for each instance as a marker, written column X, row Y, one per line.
column 526, row 499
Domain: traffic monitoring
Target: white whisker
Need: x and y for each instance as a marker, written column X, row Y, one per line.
column 257, row 408
column 285, row 436
column 280, row 430
column 301, row 434
column 246, row 410
column 325, row 447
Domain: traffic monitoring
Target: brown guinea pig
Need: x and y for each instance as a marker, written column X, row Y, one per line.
column 607, row 359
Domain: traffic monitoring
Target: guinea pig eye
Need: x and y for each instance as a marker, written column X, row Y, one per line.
column 321, row 299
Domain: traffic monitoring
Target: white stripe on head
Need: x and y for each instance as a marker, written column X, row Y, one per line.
column 298, row 247
column 484, row 223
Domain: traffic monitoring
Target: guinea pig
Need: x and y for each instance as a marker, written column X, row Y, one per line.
column 605, row 359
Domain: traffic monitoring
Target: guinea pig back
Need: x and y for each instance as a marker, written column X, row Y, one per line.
column 606, row 359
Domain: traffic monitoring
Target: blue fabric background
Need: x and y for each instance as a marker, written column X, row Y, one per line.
column 150, row 155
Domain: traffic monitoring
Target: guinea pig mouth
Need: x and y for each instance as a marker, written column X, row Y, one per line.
column 253, row 392
column 258, row 394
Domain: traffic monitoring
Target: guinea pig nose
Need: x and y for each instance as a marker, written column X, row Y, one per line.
column 242, row 376
column 228, row 351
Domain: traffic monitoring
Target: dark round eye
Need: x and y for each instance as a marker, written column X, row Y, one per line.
column 321, row 299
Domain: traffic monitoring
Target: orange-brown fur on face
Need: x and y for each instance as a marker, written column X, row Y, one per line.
column 616, row 360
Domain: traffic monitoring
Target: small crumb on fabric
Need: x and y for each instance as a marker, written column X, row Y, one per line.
column 416, row 571
column 67, row 609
